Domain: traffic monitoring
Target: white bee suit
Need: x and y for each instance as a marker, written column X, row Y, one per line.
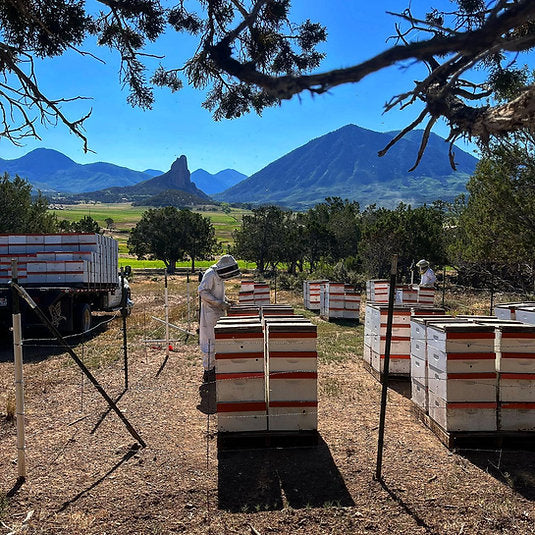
column 428, row 278
column 213, row 305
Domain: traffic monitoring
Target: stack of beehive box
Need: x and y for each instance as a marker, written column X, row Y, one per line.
column 462, row 377
column 311, row 294
column 59, row 259
column 291, row 364
column 405, row 294
column 377, row 291
column 246, row 294
column 254, row 293
column 351, row 303
column 332, row 300
column 515, row 363
column 418, row 358
column 240, row 377
column 375, row 325
column 266, row 373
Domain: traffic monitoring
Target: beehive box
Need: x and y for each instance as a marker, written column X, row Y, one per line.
column 507, row 311
column 526, row 314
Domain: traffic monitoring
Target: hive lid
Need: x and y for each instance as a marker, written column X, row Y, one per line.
column 515, row 305
column 498, row 322
column 465, row 326
column 237, row 328
column 427, row 310
column 424, row 320
column 292, row 327
column 473, row 317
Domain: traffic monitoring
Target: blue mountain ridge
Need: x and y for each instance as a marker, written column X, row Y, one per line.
column 345, row 163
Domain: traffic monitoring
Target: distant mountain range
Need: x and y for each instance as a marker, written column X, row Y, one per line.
column 217, row 183
column 51, row 171
column 345, row 163
column 342, row 163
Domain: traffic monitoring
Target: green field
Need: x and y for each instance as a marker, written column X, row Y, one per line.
column 125, row 217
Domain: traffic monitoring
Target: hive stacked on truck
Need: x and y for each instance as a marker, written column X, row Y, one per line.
column 266, row 372
column 59, row 259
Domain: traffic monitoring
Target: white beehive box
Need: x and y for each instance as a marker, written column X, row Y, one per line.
column 241, row 416
column 507, row 311
column 246, row 294
column 517, row 416
column 462, row 416
column 526, row 314
column 239, row 347
column 515, row 348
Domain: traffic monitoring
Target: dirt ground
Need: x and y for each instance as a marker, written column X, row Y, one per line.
column 84, row 476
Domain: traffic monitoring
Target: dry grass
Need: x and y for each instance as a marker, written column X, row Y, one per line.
column 10, row 407
column 81, row 482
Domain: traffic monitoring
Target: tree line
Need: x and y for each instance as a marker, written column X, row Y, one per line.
column 488, row 234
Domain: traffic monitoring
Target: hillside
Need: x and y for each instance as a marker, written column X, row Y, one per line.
column 177, row 178
column 345, row 163
column 50, row 170
column 217, row 183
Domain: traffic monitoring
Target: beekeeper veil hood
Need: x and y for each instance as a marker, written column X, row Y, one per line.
column 423, row 265
column 227, row 267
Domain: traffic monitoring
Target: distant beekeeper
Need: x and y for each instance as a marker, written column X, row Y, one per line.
column 428, row 275
column 213, row 305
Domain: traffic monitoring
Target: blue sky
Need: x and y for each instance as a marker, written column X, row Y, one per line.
column 179, row 125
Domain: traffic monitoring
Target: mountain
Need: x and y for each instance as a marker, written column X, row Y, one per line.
column 345, row 163
column 153, row 172
column 50, row 170
column 217, row 183
column 178, row 178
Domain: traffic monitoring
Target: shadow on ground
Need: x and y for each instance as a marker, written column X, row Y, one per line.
column 516, row 469
column 270, row 479
column 401, row 386
column 208, row 403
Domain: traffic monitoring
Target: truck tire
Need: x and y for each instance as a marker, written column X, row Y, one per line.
column 83, row 317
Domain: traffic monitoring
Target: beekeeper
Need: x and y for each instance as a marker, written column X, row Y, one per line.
column 428, row 275
column 213, row 306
